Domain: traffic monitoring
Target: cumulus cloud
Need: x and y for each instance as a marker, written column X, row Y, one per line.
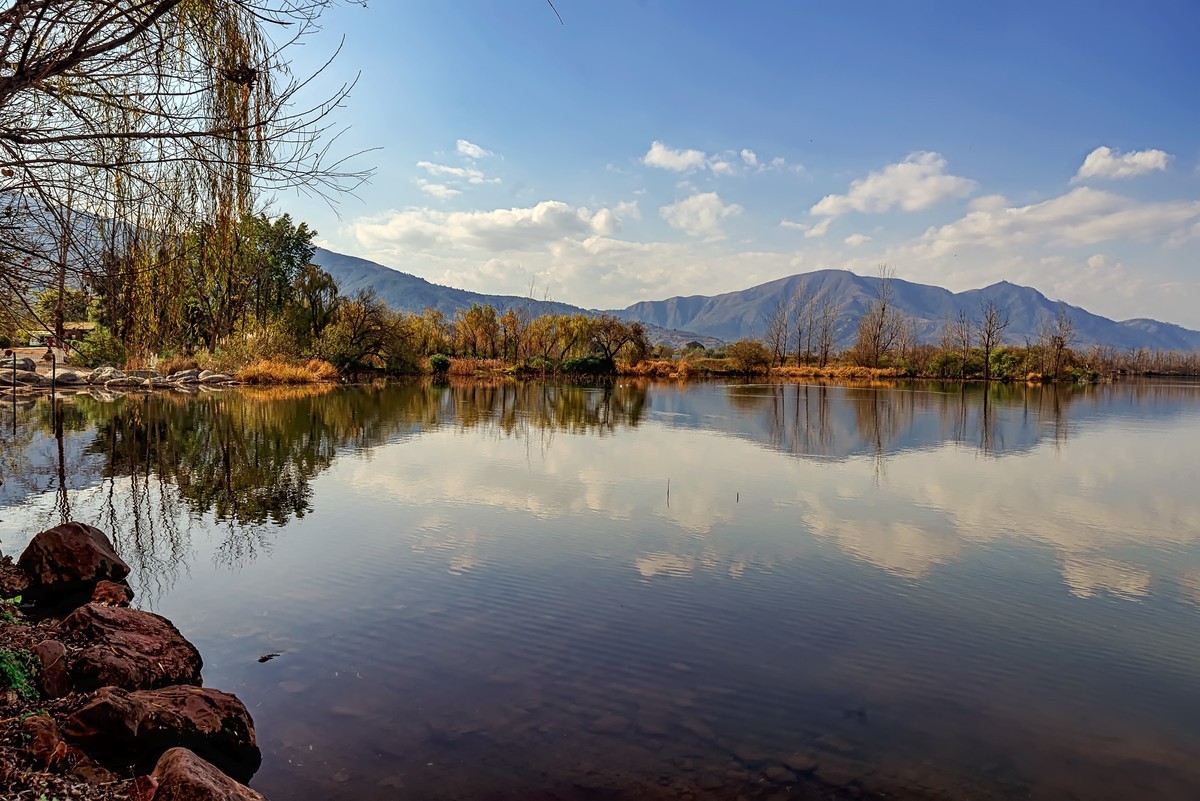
column 810, row 231
column 1081, row 217
column 628, row 210
column 472, row 150
column 440, row 191
column 854, row 240
column 1104, row 162
column 496, row 230
column 469, row 174
column 728, row 162
column 700, row 215
column 665, row 158
column 918, row 182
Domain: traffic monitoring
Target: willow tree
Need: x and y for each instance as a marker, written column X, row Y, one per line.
column 125, row 124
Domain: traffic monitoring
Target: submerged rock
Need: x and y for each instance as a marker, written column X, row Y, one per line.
column 70, row 559
column 181, row 775
column 122, row 728
column 128, row 648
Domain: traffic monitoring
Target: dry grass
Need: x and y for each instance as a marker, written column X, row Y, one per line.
column 472, row 367
column 839, row 372
column 177, row 363
column 269, row 371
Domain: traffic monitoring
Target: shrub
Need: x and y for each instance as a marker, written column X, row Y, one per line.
column 588, row 365
column 748, row 356
column 100, row 347
column 439, row 363
column 17, row 669
column 267, row 371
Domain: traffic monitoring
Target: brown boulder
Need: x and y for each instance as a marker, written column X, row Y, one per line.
column 107, row 593
column 183, row 776
column 50, row 751
column 70, row 559
column 121, row 727
column 128, row 648
column 52, row 677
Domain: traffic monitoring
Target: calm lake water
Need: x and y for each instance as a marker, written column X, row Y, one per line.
column 531, row 591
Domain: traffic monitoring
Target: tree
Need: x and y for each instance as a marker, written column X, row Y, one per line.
column 880, row 327
column 124, row 125
column 778, row 330
column 828, row 314
column 992, row 324
column 748, row 356
column 1056, row 338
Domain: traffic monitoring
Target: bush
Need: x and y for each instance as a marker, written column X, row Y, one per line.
column 100, row 347
column 274, row 372
column 748, row 356
column 17, row 669
column 439, row 363
column 588, row 365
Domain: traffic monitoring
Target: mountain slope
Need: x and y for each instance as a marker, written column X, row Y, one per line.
column 733, row 315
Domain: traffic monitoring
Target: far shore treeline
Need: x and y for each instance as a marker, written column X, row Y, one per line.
column 267, row 314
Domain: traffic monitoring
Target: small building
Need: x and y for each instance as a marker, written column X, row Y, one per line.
column 72, row 332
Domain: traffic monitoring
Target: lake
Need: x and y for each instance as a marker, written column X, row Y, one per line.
column 660, row 590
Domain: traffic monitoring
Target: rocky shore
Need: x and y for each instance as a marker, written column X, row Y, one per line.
column 103, row 701
column 26, row 377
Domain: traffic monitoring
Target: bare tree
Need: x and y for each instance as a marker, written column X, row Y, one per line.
column 828, row 313
column 804, row 321
column 778, row 331
column 879, row 327
column 992, row 324
column 1056, row 338
column 155, row 114
column 963, row 336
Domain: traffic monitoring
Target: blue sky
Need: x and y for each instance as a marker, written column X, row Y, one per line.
column 648, row 149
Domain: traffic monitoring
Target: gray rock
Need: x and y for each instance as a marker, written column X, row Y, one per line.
column 215, row 378
column 28, row 377
column 67, row 377
column 186, row 375
column 103, row 375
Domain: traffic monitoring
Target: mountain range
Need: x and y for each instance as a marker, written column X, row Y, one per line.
column 733, row 315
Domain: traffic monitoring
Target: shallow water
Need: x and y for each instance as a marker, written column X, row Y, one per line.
column 500, row 591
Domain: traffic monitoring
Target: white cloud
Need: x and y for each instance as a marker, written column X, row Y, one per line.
column 721, row 167
column 700, row 215
column 918, row 182
column 810, row 231
column 628, row 210
column 500, row 229
column 1104, row 162
column 665, row 158
column 468, row 174
column 472, row 150
column 854, row 240
column 440, row 191
column 750, row 157
column 1082, row 217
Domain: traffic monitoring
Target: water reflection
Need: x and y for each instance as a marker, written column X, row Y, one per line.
column 475, row 587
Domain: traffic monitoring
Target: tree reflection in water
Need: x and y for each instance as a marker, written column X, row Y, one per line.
column 150, row 469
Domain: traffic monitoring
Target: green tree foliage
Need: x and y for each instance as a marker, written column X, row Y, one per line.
column 748, row 356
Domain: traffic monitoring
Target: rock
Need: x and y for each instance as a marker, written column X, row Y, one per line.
column 122, row 728
column 53, row 677
column 124, row 381
column 24, row 363
column 30, row 377
column 70, row 559
column 50, row 751
column 107, row 593
column 215, row 378
column 102, row 375
column 609, row 724
column 13, row 580
column 67, row 377
column 779, row 774
column 45, row 743
column 800, row 762
column 186, row 376
column 128, row 648
column 183, row 776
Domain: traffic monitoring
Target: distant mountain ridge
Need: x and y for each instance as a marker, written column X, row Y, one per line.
column 733, row 315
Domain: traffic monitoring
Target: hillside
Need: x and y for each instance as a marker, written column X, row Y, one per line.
column 734, row 315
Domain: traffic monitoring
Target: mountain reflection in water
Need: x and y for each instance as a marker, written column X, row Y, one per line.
column 983, row 591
